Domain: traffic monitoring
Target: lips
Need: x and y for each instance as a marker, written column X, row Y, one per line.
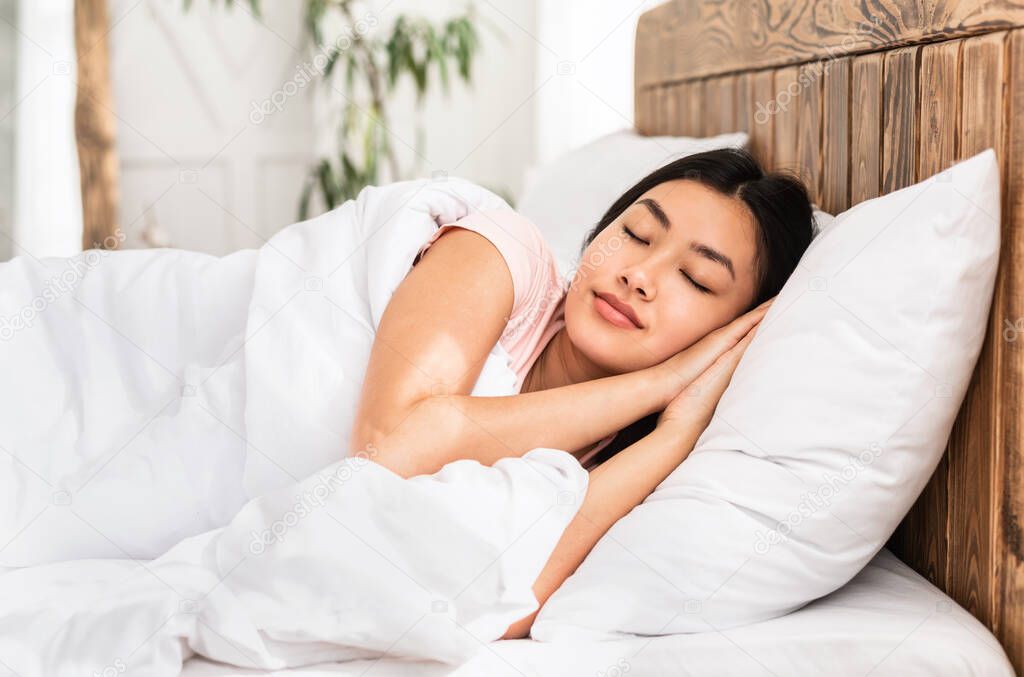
column 619, row 313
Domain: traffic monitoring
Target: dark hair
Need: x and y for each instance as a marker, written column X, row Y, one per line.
column 783, row 217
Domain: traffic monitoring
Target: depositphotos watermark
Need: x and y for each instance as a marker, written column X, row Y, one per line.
column 310, row 500
column 526, row 320
column 620, row 668
column 118, row 667
column 308, row 71
column 810, row 72
column 76, row 268
column 1013, row 330
column 595, row 257
column 819, row 499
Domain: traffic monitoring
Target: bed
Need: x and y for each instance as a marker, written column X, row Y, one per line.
column 887, row 621
column 889, row 93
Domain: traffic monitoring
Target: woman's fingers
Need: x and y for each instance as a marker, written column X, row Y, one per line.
column 689, row 364
column 749, row 319
column 737, row 351
column 700, row 398
column 727, row 336
column 717, row 376
column 733, row 332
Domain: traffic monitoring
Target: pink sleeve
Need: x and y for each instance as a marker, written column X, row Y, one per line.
column 517, row 239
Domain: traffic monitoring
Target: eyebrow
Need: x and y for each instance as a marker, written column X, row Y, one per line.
column 707, row 252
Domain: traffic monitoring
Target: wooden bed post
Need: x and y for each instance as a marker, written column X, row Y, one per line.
column 95, row 127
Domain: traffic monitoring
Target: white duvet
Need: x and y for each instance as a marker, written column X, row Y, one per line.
column 174, row 470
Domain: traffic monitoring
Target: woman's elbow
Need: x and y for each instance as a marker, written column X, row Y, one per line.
column 373, row 446
column 405, row 442
column 365, row 439
column 521, row 628
column 370, row 439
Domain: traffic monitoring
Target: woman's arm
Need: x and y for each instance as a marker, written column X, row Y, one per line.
column 440, row 429
column 432, row 342
column 433, row 339
column 616, row 487
column 627, row 478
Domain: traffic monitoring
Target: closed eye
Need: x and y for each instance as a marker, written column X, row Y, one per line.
column 701, row 288
column 633, row 236
column 630, row 234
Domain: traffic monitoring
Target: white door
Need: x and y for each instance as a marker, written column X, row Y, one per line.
column 200, row 168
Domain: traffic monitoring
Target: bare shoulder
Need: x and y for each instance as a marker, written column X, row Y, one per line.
column 438, row 328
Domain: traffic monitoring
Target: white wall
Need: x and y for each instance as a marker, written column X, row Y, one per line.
column 204, row 176
column 8, row 59
column 483, row 131
column 585, row 71
column 47, row 218
column 198, row 169
column 561, row 75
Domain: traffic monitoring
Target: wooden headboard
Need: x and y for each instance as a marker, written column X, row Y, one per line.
column 860, row 99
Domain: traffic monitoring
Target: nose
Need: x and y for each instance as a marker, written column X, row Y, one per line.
column 637, row 278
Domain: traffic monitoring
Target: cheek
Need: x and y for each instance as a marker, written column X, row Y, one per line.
column 599, row 261
column 682, row 322
column 676, row 327
column 599, row 268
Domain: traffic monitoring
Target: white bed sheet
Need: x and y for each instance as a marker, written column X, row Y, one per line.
column 887, row 621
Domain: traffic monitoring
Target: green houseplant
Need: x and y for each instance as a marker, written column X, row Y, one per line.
column 366, row 68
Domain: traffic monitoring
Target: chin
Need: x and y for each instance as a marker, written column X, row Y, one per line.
column 607, row 347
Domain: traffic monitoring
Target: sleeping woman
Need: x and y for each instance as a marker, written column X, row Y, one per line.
column 623, row 367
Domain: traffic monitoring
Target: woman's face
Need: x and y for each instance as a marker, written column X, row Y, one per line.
column 689, row 235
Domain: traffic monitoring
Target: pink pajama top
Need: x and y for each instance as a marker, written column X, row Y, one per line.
column 538, row 308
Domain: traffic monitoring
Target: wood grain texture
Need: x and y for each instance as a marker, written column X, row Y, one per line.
column 871, row 123
column 899, row 104
column 921, row 539
column 785, row 117
column 643, row 109
column 95, row 127
column 744, row 120
column 720, row 106
column 970, row 568
column 1008, row 592
column 835, row 137
column 658, row 121
column 940, row 93
column 680, row 95
column 808, row 133
column 690, row 106
column 866, row 128
column 762, row 129
column 669, row 123
column 714, row 38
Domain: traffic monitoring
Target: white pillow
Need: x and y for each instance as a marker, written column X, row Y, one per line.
column 834, row 420
column 567, row 197
column 822, row 220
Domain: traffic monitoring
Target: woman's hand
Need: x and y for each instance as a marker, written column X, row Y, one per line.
column 682, row 369
column 697, row 401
